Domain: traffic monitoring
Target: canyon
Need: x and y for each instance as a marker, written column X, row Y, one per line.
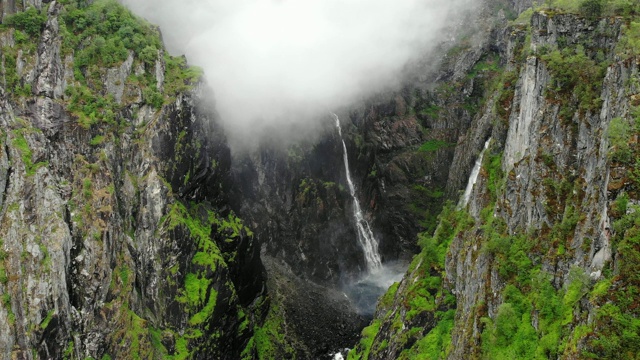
column 487, row 207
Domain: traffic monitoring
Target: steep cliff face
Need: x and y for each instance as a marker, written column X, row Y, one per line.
column 540, row 261
column 116, row 240
column 552, row 203
column 10, row 7
column 296, row 197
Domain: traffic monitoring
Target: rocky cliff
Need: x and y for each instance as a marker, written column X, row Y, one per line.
column 540, row 262
column 116, row 240
column 120, row 239
column 120, row 203
column 295, row 196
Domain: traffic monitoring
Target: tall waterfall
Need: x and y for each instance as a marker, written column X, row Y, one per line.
column 474, row 176
column 365, row 235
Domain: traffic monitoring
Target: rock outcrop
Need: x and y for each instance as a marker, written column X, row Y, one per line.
column 120, row 202
column 529, row 268
column 116, row 238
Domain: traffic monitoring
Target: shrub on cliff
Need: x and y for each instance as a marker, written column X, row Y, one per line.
column 591, row 8
column 30, row 21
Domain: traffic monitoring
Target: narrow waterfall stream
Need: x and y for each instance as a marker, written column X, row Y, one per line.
column 473, row 177
column 365, row 290
column 365, row 235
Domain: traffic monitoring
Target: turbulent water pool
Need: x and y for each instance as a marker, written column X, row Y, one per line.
column 365, row 291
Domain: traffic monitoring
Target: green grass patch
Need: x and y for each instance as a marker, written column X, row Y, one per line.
column 45, row 322
column 435, row 344
column 366, row 341
column 21, row 144
column 30, row 22
column 434, row 145
column 577, row 81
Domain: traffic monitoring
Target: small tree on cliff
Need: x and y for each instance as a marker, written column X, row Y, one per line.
column 592, row 9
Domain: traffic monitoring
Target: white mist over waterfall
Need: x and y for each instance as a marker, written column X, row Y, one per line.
column 277, row 63
column 365, row 235
column 473, row 178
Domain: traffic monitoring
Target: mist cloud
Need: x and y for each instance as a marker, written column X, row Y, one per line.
column 272, row 62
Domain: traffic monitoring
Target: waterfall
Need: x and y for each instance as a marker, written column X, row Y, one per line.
column 365, row 235
column 474, row 177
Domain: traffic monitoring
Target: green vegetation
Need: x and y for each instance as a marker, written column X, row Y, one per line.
column 425, row 205
column 29, row 22
column 269, row 337
column 69, row 351
column 525, row 17
column 489, row 66
column 104, row 33
column 16, row 85
column 506, row 89
column 197, row 289
column 577, row 81
column 91, row 108
column 269, row 340
column 616, row 332
column 617, row 326
column 366, row 341
column 511, row 334
column 423, row 294
column 495, row 175
column 542, row 315
column 3, row 256
column 124, row 273
column 430, row 111
column 619, row 134
column 99, row 35
column 20, row 143
column 137, row 335
column 625, row 153
column 97, row 140
column 434, row 145
column 198, row 293
column 529, row 295
column 86, row 188
column 179, row 77
column 45, row 322
column 629, row 44
column 593, row 9
column 436, row 343
column 6, row 302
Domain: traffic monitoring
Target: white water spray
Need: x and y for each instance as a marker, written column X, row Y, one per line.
column 365, row 235
column 474, row 177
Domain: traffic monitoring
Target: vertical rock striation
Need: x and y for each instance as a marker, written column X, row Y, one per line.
column 529, row 267
column 116, row 238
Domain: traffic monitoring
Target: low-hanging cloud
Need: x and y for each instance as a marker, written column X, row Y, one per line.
column 276, row 62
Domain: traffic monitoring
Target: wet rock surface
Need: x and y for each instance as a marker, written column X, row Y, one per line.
column 539, row 140
column 105, row 224
column 322, row 319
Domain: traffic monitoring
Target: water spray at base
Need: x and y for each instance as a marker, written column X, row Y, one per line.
column 365, row 290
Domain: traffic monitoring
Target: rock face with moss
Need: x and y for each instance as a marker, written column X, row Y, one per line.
column 295, row 195
column 542, row 261
column 116, row 240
